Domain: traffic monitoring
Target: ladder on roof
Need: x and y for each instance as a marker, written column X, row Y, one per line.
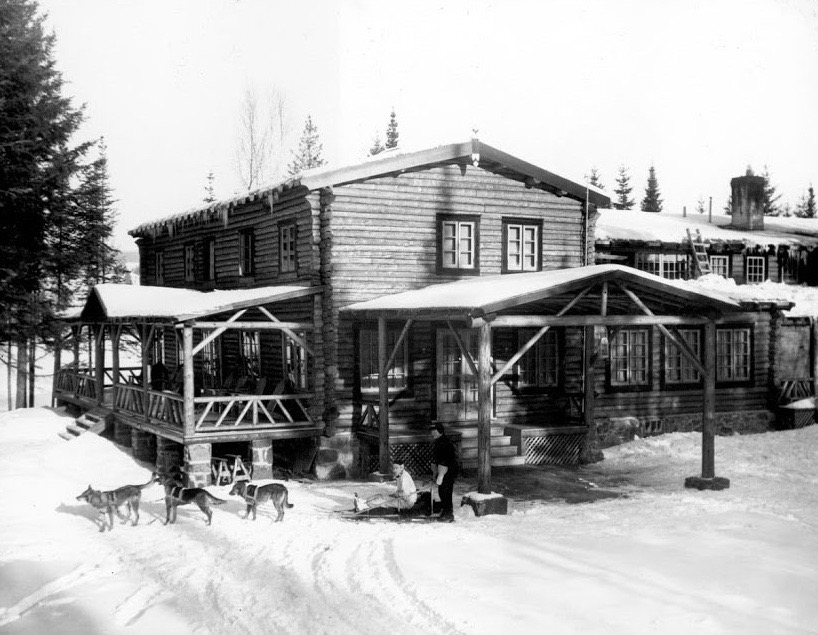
column 700, row 258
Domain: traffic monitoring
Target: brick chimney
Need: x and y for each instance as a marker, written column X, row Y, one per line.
column 748, row 202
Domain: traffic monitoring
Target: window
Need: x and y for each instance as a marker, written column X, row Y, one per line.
column 159, row 272
column 247, row 249
column 211, row 362
column 398, row 374
column 756, row 269
column 158, row 348
column 720, row 265
column 210, row 259
column 521, row 245
column 295, row 360
column 251, row 354
column 678, row 368
column 458, row 244
column 733, row 350
column 630, row 359
column 539, row 367
column 287, row 248
column 670, row 266
column 190, row 262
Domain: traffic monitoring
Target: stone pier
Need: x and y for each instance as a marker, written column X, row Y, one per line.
column 143, row 446
column 197, row 464
column 168, row 455
column 262, row 458
column 122, row 434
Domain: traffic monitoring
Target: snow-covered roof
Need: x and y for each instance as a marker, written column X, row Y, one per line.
column 473, row 152
column 671, row 227
column 124, row 301
column 479, row 296
column 804, row 299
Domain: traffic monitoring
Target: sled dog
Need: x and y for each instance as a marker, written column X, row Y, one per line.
column 176, row 494
column 109, row 502
column 254, row 495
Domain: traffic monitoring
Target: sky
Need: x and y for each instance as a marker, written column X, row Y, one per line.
column 699, row 90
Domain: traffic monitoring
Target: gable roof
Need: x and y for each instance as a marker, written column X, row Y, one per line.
column 392, row 163
column 548, row 290
column 130, row 302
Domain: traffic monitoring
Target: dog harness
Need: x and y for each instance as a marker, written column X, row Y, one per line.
column 176, row 492
column 250, row 496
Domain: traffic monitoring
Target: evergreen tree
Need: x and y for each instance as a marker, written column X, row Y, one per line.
column 98, row 256
column 309, row 150
column 771, row 207
column 594, row 178
column 623, row 189
column 652, row 202
column 377, row 146
column 728, row 206
column 806, row 206
column 392, row 132
column 210, row 197
column 700, row 206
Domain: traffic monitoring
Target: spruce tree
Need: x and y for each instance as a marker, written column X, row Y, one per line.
column 806, row 206
column 594, row 178
column 377, row 146
column 771, row 207
column 98, row 256
column 623, row 189
column 652, row 202
column 309, row 150
column 209, row 197
column 700, row 206
column 392, row 132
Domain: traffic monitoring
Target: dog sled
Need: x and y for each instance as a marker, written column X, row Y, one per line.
column 423, row 511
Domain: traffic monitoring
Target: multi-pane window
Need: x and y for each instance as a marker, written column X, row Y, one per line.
column 210, row 259
column 720, row 265
column 733, row 354
column 630, row 358
column 458, row 243
column 158, row 348
column 190, row 263
column 211, row 363
column 287, row 248
column 670, row 266
column 679, row 369
column 540, row 365
column 247, row 248
column 159, row 264
column 756, row 269
column 370, row 373
column 295, row 360
column 522, row 246
column 251, row 353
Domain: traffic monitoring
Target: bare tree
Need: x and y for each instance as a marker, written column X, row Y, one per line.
column 252, row 149
column 278, row 128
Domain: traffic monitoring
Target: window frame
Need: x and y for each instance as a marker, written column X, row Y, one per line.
column 401, row 367
column 460, row 220
column 189, row 260
column 658, row 264
column 247, row 253
column 747, row 265
column 615, row 386
column 557, row 337
column 159, row 267
column 685, row 364
column 523, row 224
column 726, row 259
column 288, row 258
column 742, row 381
column 209, row 258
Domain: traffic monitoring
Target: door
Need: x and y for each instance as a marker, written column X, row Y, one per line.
column 456, row 384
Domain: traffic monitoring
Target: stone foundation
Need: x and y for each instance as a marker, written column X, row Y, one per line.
column 335, row 458
column 122, row 434
column 197, row 464
column 262, row 450
column 143, row 446
column 168, row 455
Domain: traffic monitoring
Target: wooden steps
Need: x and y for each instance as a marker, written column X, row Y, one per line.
column 503, row 452
column 93, row 421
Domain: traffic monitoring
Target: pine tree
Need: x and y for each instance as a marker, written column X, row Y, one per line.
column 594, row 178
column 377, row 146
column 771, row 207
column 209, row 197
column 309, row 150
column 700, row 206
column 652, row 202
column 806, row 205
column 392, row 132
column 623, row 189
column 98, row 256
column 728, row 206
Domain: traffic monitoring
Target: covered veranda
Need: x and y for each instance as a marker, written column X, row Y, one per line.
column 609, row 296
column 184, row 402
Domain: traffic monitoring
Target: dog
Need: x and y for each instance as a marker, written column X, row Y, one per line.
column 109, row 502
column 253, row 495
column 176, row 494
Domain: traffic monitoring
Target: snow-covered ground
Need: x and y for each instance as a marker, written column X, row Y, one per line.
column 655, row 558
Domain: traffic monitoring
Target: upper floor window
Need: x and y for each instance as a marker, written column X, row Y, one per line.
column 521, row 245
column 287, row 249
column 678, row 367
column 190, row 262
column 720, row 265
column 295, row 361
column 756, row 269
column 247, row 253
column 630, row 359
column 397, row 377
column 458, row 238
column 159, row 264
column 210, row 259
column 733, row 354
column 670, row 266
column 540, row 366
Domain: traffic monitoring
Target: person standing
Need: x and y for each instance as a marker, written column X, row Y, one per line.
column 444, row 470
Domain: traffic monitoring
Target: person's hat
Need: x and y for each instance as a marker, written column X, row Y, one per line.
column 437, row 426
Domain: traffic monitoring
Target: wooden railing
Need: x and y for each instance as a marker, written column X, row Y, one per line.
column 127, row 375
column 369, row 419
column 242, row 411
column 165, row 408
column 80, row 382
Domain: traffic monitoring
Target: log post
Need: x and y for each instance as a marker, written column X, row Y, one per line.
column 385, row 464
column 814, row 357
column 116, row 333
column 484, row 412
column 145, row 331
column 187, row 393
column 99, row 362
column 590, row 453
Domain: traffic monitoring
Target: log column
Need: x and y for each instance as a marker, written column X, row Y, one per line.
column 484, row 411
column 99, row 362
column 187, row 345
column 590, row 451
column 385, row 465
column 262, row 458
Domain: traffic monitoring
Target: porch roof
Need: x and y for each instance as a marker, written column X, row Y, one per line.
column 123, row 302
column 549, row 290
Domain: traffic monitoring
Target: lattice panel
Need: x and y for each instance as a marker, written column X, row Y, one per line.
column 557, row 449
column 416, row 456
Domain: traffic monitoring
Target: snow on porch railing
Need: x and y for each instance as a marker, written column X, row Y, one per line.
column 241, row 411
column 163, row 407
